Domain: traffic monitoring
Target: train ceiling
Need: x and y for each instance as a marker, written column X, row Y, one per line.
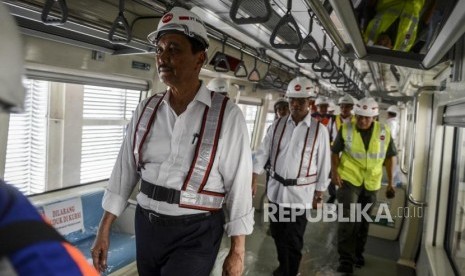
column 319, row 39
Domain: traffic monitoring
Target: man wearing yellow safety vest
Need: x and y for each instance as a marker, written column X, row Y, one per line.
column 358, row 153
column 346, row 104
column 387, row 12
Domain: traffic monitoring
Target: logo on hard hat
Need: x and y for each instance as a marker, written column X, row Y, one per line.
column 365, row 107
column 297, row 87
column 382, row 137
column 167, row 18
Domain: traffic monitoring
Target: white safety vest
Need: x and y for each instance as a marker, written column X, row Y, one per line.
column 192, row 194
column 304, row 177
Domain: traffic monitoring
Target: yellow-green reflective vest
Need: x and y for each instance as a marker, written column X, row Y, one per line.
column 387, row 12
column 359, row 166
column 339, row 121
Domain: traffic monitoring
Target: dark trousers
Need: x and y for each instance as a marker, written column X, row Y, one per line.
column 179, row 247
column 332, row 192
column 289, row 241
column 352, row 236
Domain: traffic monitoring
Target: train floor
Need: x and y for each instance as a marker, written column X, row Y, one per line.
column 320, row 256
column 319, row 253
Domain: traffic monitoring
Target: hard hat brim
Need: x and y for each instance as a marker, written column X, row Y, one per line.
column 176, row 28
column 298, row 95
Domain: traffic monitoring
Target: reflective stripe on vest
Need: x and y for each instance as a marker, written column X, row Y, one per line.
column 143, row 127
column 276, row 141
column 358, row 165
column 304, row 177
column 387, row 12
column 359, row 155
column 340, row 122
column 192, row 194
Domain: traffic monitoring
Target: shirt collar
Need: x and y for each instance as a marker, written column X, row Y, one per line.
column 203, row 95
column 307, row 119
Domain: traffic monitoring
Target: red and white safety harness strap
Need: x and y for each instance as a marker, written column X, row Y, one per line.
column 143, row 126
column 276, row 141
column 192, row 193
column 307, row 153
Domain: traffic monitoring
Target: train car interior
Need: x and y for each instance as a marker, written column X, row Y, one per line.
column 89, row 64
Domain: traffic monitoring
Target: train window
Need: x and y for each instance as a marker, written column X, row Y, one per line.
column 106, row 111
column 250, row 113
column 27, row 135
column 455, row 240
column 69, row 134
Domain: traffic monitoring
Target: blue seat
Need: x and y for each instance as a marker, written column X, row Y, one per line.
column 122, row 245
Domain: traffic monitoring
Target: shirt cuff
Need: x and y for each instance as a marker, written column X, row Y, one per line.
column 322, row 186
column 241, row 226
column 113, row 203
column 258, row 170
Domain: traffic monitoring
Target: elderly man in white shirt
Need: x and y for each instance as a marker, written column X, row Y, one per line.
column 298, row 147
column 190, row 149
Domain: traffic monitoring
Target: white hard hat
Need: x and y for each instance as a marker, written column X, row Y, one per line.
column 182, row 20
column 393, row 109
column 12, row 70
column 301, row 87
column 219, row 85
column 346, row 99
column 367, row 107
column 322, row 101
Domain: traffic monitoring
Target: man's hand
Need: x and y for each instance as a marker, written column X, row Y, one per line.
column 254, row 184
column 99, row 251
column 317, row 199
column 234, row 263
column 390, row 192
column 336, row 178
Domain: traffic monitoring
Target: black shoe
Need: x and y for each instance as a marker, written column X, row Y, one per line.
column 359, row 261
column 345, row 268
column 277, row 272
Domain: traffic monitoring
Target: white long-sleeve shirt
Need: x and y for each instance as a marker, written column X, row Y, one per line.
column 167, row 155
column 394, row 127
column 288, row 162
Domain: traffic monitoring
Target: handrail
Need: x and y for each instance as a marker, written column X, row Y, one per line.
column 308, row 41
column 250, row 20
column 284, row 22
column 411, row 198
column 254, row 75
column 48, row 8
column 120, row 21
column 221, row 59
column 241, row 67
column 402, row 164
column 325, row 20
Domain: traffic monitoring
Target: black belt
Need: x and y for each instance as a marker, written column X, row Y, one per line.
column 280, row 179
column 157, row 218
column 160, row 193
